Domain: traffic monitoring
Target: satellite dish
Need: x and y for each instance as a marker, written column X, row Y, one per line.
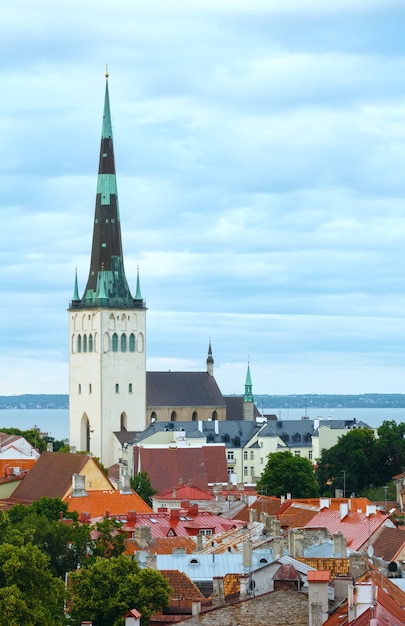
column 393, row 566
column 370, row 551
column 142, row 557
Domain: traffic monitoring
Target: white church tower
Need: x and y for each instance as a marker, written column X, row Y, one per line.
column 107, row 330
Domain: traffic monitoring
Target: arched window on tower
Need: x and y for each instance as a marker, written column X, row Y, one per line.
column 123, row 342
column 132, row 342
column 79, row 343
column 153, row 417
column 173, row 416
column 115, row 342
column 214, row 415
column 84, row 343
column 194, row 416
column 90, row 343
column 123, row 421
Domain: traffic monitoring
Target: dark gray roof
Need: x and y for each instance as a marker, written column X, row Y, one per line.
column 233, row 434
column 300, row 432
column 234, row 408
column 193, row 389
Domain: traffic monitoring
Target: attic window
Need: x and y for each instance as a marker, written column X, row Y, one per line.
column 263, row 560
column 153, row 520
column 194, row 562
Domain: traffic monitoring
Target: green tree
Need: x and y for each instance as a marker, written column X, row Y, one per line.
column 390, row 450
column 109, row 541
column 142, row 486
column 29, row 594
column 350, row 464
column 285, row 473
column 109, row 588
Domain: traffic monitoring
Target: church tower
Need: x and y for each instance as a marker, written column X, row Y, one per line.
column 107, row 328
column 248, row 399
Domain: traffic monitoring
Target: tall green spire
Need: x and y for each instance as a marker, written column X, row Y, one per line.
column 107, row 285
column 76, row 297
column 138, row 295
column 248, row 397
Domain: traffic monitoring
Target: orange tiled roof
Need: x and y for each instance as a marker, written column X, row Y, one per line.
column 98, row 503
column 182, row 588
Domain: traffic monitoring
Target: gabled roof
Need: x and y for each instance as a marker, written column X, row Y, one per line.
column 389, row 543
column 171, row 389
column 167, row 466
column 183, row 492
column 356, row 527
column 51, row 476
column 113, row 502
column 182, row 587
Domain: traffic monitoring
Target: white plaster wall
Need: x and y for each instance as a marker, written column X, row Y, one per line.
column 103, row 369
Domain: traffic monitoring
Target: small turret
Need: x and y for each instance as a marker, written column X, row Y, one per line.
column 248, row 400
column 210, row 360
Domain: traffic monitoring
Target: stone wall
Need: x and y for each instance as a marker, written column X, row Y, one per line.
column 279, row 608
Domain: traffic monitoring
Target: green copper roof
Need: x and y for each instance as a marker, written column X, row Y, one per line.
column 106, row 132
column 248, row 397
column 76, row 296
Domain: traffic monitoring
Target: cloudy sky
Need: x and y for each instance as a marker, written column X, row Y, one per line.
column 260, row 152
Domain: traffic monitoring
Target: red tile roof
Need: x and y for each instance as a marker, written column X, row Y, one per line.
column 98, row 503
column 166, row 467
column 179, row 523
column 184, row 492
column 356, row 527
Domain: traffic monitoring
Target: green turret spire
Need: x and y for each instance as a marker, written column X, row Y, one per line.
column 107, row 284
column 248, row 397
column 76, row 297
column 138, row 295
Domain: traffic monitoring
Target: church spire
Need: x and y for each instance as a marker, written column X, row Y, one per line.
column 107, row 284
column 248, row 397
column 210, row 360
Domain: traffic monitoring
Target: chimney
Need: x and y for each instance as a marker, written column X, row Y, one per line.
column 174, row 493
column 199, row 542
column 252, row 516
column 276, row 527
column 78, row 485
column 278, row 547
column 49, row 447
column 318, row 596
column 131, row 517
column 195, row 607
column 126, row 485
column 244, row 587
column 339, row 545
column 142, row 535
column 174, row 514
column 344, row 509
column 247, row 553
column 295, row 543
column 218, row 591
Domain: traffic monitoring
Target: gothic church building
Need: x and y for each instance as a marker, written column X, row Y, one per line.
column 111, row 396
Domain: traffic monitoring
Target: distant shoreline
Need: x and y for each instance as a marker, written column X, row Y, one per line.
column 262, row 401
